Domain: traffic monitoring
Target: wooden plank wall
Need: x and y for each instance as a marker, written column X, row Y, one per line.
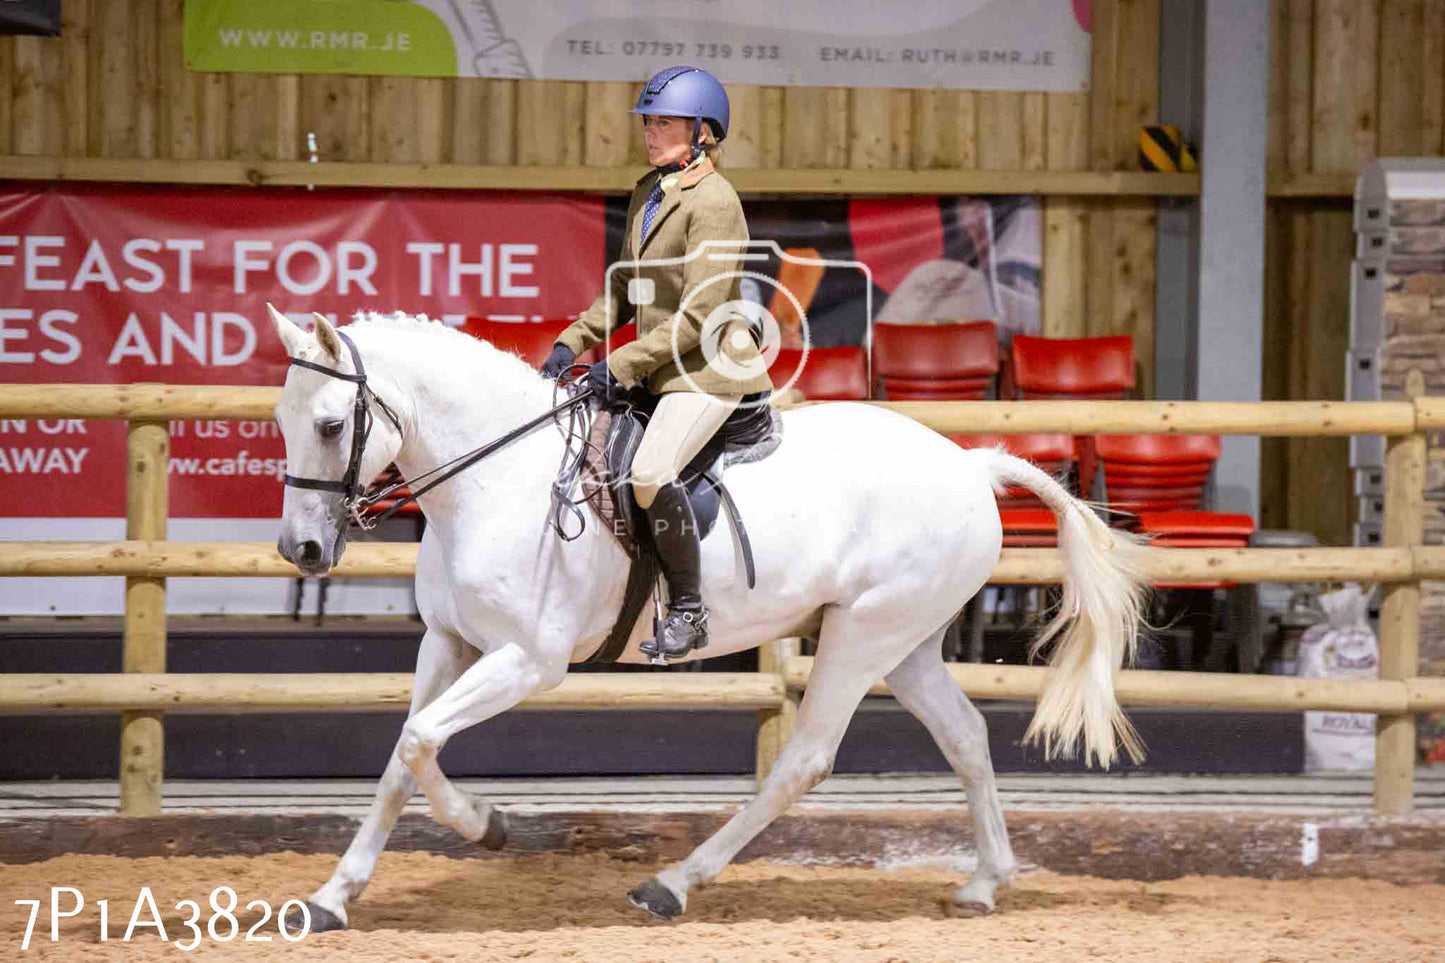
column 115, row 85
column 1351, row 80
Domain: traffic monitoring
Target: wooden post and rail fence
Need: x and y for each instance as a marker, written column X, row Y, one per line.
column 144, row 692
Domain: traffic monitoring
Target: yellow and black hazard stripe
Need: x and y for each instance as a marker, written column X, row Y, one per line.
column 1163, row 149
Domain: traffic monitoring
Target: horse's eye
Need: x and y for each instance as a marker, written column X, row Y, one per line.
column 330, row 429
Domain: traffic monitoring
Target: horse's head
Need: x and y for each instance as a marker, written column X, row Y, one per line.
column 327, row 463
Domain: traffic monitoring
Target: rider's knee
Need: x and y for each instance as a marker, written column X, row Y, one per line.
column 647, row 480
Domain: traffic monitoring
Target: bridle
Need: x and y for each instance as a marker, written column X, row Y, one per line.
column 351, row 487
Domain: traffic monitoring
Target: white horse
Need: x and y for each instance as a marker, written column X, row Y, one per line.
column 869, row 531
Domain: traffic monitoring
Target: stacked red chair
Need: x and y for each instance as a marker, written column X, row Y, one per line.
column 826, row 374
column 1094, row 368
column 1156, row 473
column 935, row 362
column 1027, row 521
column 1160, row 481
column 385, row 480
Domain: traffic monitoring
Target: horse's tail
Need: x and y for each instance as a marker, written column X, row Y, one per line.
column 1096, row 625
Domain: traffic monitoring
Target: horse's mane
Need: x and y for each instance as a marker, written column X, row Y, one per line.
column 457, row 341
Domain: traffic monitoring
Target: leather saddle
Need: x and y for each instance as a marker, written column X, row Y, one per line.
column 751, row 433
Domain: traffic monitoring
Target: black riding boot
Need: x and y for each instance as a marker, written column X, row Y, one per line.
column 674, row 532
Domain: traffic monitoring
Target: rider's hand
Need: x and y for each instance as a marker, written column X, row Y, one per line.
column 603, row 384
column 558, row 361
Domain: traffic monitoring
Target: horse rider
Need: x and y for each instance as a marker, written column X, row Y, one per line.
column 685, row 309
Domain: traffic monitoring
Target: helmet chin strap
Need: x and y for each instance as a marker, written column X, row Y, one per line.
column 697, row 148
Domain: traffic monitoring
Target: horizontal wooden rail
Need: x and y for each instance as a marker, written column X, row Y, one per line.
column 1327, row 184
column 1205, row 690
column 1429, row 413
column 365, row 691
column 609, row 180
column 1017, row 566
column 1268, row 418
column 137, row 401
column 195, row 559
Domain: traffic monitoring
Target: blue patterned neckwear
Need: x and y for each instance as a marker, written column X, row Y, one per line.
column 654, row 201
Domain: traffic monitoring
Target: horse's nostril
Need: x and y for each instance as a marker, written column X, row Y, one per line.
column 310, row 553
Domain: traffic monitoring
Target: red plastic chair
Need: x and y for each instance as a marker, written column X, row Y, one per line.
column 1096, row 368
column 1072, row 367
column 1051, row 453
column 1159, row 450
column 1144, row 473
column 934, row 362
column 1167, row 501
column 1027, row 522
column 390, row 476
column 828, row 374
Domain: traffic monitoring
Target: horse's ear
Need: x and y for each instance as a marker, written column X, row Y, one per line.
column 326, row 335
column 290, row 333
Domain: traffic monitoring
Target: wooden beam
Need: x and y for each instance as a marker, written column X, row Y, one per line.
column 1021, row 566
column 1395, row 741
column 194, row 559
column 365, row 692
column 776, row 724
column 259, row 172
column 142, row 737
column 1324, row 184
column 1207, row 690
column 1269, row 418
column 142, row 401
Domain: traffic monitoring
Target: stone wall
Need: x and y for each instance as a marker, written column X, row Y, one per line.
column 1414, row 338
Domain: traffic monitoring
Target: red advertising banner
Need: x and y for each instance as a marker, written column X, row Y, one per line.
column 116, row 285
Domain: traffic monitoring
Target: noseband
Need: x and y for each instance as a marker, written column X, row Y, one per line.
column 350, row 486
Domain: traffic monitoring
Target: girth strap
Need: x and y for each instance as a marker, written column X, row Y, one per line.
column 641, row 577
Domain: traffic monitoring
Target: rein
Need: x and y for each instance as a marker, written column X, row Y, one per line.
column 351, row 488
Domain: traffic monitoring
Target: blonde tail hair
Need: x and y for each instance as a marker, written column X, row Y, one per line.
column 1095, row 629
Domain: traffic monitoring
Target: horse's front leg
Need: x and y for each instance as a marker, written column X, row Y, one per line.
column 497, row 682
column 441, row 660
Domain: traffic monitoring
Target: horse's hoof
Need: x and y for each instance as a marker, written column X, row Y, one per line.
column 322, row 920
column 657, row 900
column 966, row 908
column 496, row 835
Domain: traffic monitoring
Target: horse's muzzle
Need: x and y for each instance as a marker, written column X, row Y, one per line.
column 309, row 556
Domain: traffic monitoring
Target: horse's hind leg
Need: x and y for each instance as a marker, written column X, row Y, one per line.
column 853, row 653
column 923, row 685
column 441, row 659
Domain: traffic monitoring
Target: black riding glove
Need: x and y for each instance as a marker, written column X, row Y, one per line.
column 558, row 361
column 604, row 385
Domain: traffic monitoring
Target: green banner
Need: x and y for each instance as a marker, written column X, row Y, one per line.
column 375, row 37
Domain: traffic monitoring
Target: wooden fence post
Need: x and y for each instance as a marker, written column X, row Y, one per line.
column 1395, row 747
column 142, row 738
column 775, row 726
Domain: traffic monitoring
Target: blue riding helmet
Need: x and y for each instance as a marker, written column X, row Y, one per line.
column 686, row 92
